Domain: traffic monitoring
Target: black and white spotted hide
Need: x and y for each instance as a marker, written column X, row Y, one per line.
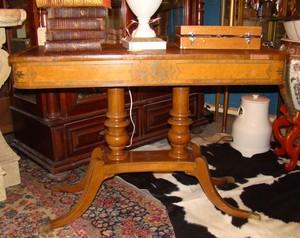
column 261, row 185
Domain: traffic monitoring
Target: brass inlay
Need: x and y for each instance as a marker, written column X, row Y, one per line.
column 19, row 74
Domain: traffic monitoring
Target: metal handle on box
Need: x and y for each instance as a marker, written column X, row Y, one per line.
column 192, row 37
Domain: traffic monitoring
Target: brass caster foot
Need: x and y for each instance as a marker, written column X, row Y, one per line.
column 57, row 188
column 230, row 179
column 44, row 228
column 255, row 216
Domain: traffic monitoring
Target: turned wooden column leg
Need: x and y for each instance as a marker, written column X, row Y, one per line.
column 116, row 135
column 203, row 176
column 179, row 134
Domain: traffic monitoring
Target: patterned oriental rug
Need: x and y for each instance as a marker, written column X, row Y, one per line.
column 119, row 210
column 143, row 205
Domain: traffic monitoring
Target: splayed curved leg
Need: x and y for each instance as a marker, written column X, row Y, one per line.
column 203, row 176
column 94, row 179
column 216, row 181
column 72, row 188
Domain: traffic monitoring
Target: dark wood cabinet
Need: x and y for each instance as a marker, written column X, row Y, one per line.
column 18, row 38
column 58, row 129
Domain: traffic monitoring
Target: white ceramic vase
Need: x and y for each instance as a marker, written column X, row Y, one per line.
column 143, row 9
column 251, row 130
column 292, row 29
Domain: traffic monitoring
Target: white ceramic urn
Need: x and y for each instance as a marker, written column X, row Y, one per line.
column 144, row 10
column 251, row 130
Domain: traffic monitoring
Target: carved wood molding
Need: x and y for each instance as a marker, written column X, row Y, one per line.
column 8, row 17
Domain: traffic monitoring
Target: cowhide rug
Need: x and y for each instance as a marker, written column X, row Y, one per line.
column 262, row 185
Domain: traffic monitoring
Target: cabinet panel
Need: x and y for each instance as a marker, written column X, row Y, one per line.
column 156, row 116
column 84, row 135
column 84, row 101
column 36, row 134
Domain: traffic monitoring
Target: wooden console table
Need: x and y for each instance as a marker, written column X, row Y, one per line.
column 115, row 68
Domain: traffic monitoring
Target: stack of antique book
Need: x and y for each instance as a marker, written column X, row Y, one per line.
column 114, row 36
column 75, row 25
column 114, row 25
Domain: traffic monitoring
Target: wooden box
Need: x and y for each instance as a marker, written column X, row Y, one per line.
column 218, row 37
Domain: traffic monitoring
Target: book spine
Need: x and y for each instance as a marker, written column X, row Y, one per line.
column 60, row 35
column 76, row 12
column 69, row 46
column 73, row 3
column 76, row 24
column 114, row 36
column 113, row 42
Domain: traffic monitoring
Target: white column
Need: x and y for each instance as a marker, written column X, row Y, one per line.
column 9, row 167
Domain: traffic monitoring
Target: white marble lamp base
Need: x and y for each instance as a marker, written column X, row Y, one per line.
column 143, row 37
column 152, row 43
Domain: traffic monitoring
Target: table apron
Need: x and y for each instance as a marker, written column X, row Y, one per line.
column 121, row 73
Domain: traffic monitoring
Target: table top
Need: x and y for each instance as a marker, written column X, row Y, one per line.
column 114, row 66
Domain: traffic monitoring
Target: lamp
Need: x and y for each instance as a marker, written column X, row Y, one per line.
column 143, row 37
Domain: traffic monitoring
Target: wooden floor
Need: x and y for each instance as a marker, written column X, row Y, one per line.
column 215, row 127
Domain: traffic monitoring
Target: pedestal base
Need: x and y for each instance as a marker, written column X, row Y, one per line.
column 9, row 162
column 136, row 44
column 2, row 187
column 11, row 168
column 101, row 168
column 183, row 156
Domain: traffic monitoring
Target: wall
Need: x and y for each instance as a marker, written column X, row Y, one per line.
column 212, row 17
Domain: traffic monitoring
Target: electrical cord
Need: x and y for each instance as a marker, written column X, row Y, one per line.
column 131, row 118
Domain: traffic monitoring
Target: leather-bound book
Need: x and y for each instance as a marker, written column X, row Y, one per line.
column 74, row 45
column 76, row 24
column 57, row 35
column 73, row 3
column 114, row 36
column 76, row 12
